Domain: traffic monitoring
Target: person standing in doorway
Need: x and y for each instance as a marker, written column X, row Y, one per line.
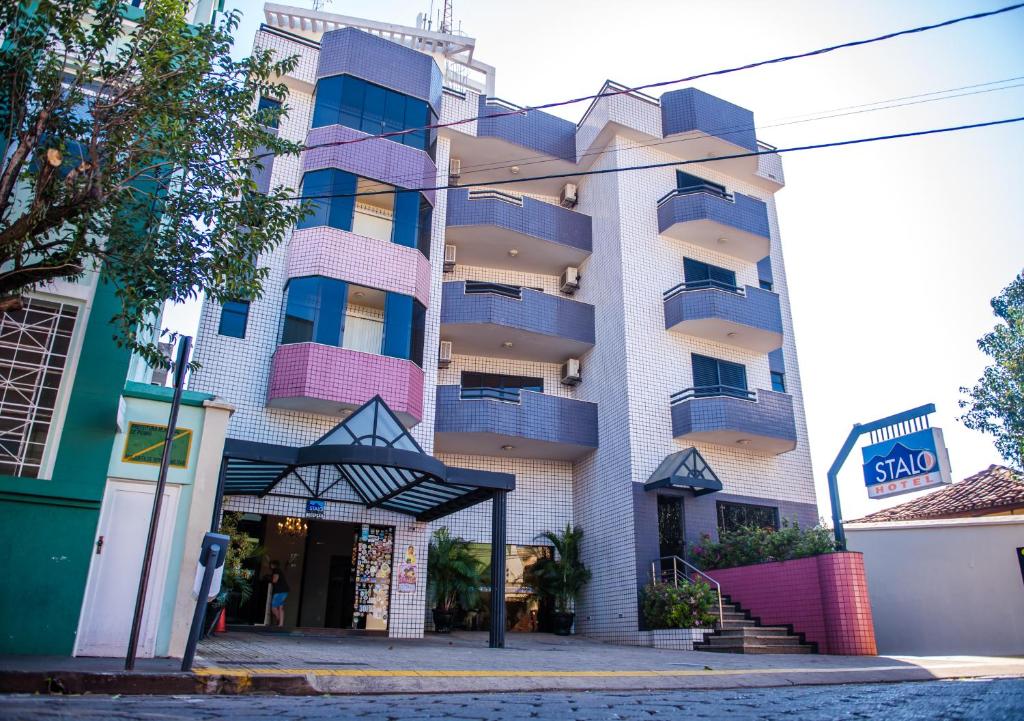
column 279, row 593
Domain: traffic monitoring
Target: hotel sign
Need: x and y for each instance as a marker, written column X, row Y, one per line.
column 905, row 464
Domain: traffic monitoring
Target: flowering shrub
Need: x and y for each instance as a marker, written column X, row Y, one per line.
column 685, row 606
column 750, row 545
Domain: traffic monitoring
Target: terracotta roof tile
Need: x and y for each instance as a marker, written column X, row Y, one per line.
column 995, row 488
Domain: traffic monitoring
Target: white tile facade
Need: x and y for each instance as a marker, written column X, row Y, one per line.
column 630, row 373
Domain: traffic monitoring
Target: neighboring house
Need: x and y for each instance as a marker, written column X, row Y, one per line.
column 622, row 343
column 945, row 571
column 69, row 395
column 995, row 491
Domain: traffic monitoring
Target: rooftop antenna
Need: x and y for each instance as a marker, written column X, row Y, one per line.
column 318, row 5
column 446, row 18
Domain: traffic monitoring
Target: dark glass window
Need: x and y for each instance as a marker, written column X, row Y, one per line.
column 271, row 105
column 413, row 216
column 355, row 103
column 671, row 538
column 778, row 382
column 713, row 377
column 705, row 275
column 314, row 311
column 733, row 516
column 332, row 312
column 330, row 194
column 497, row 386
column 685, row 181
column 765, row 284
column 234, row 317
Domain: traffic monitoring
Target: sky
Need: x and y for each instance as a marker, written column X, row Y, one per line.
column 892, row 250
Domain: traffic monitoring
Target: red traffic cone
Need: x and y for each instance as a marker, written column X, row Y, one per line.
column 222, row 625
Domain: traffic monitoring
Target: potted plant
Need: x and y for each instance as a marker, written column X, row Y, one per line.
column 453, row 577
column 236, row 582
column 562, row 577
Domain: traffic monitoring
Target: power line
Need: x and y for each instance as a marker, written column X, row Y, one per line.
column 674, row 163
column 690, row 78
column 915, row 99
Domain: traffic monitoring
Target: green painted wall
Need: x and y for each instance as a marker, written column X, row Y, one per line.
column 47, row 527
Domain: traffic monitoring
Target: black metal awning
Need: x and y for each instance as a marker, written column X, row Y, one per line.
column 684, row 469
column 376, row 457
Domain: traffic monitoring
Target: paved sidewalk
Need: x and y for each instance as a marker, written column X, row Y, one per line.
column 246, row 662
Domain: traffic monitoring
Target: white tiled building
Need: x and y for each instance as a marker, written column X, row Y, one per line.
column 680, row 324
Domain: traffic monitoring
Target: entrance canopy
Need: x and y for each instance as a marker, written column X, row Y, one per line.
column 685, row 469
column 375, row 455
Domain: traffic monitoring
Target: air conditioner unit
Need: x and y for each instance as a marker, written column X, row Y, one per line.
column 570, row 280
column 454, row 169
column 449, row 258
column 571, row 372
column 568, row 198
column 444, row 354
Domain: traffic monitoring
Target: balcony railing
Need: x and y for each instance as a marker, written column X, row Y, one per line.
column 507, row 395
column 504, row 290
column 713, row 391
column 701, row 285
column 691, row 189
column 501, row 195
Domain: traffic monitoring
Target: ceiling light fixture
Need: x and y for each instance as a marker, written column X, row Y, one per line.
column 507, row 447
column 744, row 441
column 507, row 344
column 513, row 252
column 723, row 241
column 514, row 170
column 731, row 334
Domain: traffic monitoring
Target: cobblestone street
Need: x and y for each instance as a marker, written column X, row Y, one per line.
column 988, row 700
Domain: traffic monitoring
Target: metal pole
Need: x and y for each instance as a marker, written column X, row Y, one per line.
column 180, row 366
column 218, row 499
column 200, row 611
column 497, row 634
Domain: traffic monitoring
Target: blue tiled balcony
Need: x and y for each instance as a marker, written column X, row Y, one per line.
column 490, row 319
column 539, row 131
column 735, row 224
column 757, row 421
column 709, row 127
column 537, row 426
column 485, row 225
column 747, row 317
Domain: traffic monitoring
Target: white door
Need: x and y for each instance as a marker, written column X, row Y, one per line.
column 109, row 604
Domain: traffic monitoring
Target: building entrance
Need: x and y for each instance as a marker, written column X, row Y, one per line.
column 338, row 574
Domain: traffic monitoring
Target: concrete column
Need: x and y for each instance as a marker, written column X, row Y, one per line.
column 497, row 635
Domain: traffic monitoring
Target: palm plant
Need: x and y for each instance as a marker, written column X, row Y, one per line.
column 563, row 577
column 453, row 572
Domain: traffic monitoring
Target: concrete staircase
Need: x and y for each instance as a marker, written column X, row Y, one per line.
column 740, row 633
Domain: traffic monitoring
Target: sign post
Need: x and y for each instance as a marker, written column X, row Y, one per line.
column 180, row 366
column 899, row 466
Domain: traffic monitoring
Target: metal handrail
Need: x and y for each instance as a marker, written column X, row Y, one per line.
column 507, row 291
column 488, row 194
column 690, row 189
column 712, row 392
column 706, row 284
column 676, row 560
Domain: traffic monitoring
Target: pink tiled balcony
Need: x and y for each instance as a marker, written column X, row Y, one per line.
column 357, row 259
column 323, row 379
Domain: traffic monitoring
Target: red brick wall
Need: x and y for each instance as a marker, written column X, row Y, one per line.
column 824, row 597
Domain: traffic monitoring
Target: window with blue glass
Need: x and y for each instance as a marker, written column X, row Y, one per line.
column 695, row 183
column 714, row 377
column 336, row 313
column 496, row 386
column 271, row 106
column 778, row 382
column 765, row 284
column 234, row 318
column 705, row 275
column 355, row 103
column 366, row 207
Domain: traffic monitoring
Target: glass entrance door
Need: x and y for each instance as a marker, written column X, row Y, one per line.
column 671, row 532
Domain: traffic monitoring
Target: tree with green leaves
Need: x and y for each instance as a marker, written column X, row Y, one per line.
column 563, row 576
column 996, row 404
column 129, row 142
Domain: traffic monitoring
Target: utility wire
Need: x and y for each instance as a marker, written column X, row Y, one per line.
column 673, row 163
column 690, row 78
column 916, row 99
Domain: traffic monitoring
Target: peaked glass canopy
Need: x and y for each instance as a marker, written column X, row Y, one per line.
column 376, row 456
column 685, row 469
